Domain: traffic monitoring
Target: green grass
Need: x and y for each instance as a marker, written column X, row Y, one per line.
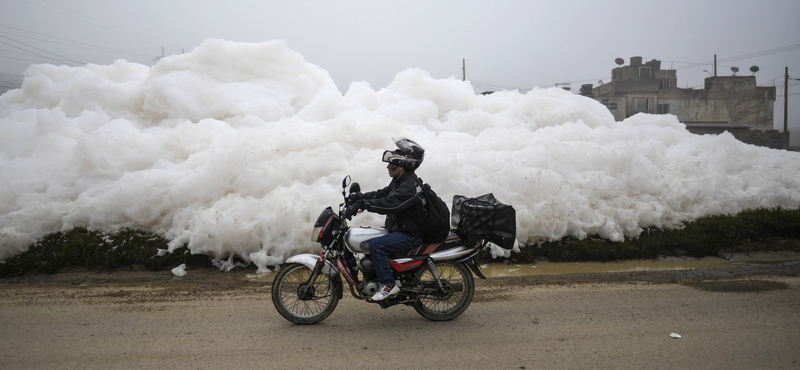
column 748, row 231
column 96, row 250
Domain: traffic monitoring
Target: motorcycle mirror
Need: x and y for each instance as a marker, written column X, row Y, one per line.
column 345, row 181
column 355, row 188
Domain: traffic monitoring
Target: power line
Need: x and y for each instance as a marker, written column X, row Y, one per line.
column 55, row 8
column 75, row 15
column 22, row 59
column 33, row 47
column 782, row 49
column 694, row 65
column 761, row 53
column 67, row 42
column 771, row 81
column 779, row 50
column 26, row 53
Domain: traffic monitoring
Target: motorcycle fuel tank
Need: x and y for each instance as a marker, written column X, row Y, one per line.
column 357, row 238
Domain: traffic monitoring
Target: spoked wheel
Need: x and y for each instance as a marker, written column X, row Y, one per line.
column 459, row 288
column 299, row 302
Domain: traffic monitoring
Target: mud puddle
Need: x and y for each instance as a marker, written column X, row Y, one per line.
column 554, row 268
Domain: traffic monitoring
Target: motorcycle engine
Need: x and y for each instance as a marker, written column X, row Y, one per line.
column 368, row 271
column 366, row 265
column 371, row 288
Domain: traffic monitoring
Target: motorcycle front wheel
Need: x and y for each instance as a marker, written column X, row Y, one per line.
column 298, row 302
column 459, row 288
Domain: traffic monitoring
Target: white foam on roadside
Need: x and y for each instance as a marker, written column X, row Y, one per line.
column 235, row 148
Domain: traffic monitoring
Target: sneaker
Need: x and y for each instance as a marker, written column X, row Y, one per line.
column 385, row 291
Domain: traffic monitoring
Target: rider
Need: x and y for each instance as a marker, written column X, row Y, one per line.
column 402, row 207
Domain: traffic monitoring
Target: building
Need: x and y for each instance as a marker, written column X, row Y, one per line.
column 726, row 103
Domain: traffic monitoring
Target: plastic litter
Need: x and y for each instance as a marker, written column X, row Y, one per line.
column 675, row 335
column 180, row 270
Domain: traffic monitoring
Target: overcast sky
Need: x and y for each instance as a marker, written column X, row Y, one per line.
column 506, row 44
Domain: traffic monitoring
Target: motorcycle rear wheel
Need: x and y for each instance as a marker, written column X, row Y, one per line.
column 459, row 290
column 298, row 305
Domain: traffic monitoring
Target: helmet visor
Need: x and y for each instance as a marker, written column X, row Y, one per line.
column 391, row 157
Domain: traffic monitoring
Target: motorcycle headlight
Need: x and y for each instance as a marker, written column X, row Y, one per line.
column 315, row 233
column 323, row 231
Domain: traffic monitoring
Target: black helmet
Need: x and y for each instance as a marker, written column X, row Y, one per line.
column 408, row 154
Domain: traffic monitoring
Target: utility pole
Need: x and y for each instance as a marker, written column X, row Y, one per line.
column 786, row 101
column 715, row 65
column 464, row 69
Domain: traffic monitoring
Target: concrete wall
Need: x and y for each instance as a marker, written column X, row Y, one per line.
column 771, row 139
column 727, row 103
column 621, row 106
column 735, row 101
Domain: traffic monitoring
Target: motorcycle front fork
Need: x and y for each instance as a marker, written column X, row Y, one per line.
column 304, row 291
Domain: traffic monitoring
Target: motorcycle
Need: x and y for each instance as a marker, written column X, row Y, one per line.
column 434, row 278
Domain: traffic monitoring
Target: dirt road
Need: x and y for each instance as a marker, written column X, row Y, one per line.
column 740, row 318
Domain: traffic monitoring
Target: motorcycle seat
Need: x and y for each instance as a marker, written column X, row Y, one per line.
column 424, row 249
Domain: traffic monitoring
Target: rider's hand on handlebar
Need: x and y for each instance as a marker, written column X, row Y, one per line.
column 353, row 209
column 352, row 198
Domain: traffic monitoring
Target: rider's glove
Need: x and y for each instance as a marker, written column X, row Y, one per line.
column 353, row 209
column 353, row 197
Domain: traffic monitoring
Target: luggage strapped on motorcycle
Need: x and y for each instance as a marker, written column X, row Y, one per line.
column 485, row 217
column 436, row 223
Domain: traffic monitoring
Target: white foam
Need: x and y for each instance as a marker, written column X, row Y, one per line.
column 234, row 149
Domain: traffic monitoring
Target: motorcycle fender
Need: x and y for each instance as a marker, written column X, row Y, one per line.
column 474, row 267
column 311, row 260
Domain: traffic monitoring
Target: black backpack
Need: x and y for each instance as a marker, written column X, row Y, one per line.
column 436, row 223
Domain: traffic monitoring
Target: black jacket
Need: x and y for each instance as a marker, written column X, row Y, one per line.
column 400, row 203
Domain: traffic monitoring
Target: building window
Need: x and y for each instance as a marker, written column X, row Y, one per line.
column 644, row 71
column 610, row 104
column 665, row 83
column 642, row 105
column 663, row 109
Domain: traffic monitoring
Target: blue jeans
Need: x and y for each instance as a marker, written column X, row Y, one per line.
column 380, row 247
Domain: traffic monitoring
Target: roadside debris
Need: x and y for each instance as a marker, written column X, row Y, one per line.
column 180, row 270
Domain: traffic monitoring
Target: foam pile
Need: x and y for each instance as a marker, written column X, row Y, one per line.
column 235, row 148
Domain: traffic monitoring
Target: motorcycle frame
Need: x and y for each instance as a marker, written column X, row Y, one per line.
column 323, row 263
